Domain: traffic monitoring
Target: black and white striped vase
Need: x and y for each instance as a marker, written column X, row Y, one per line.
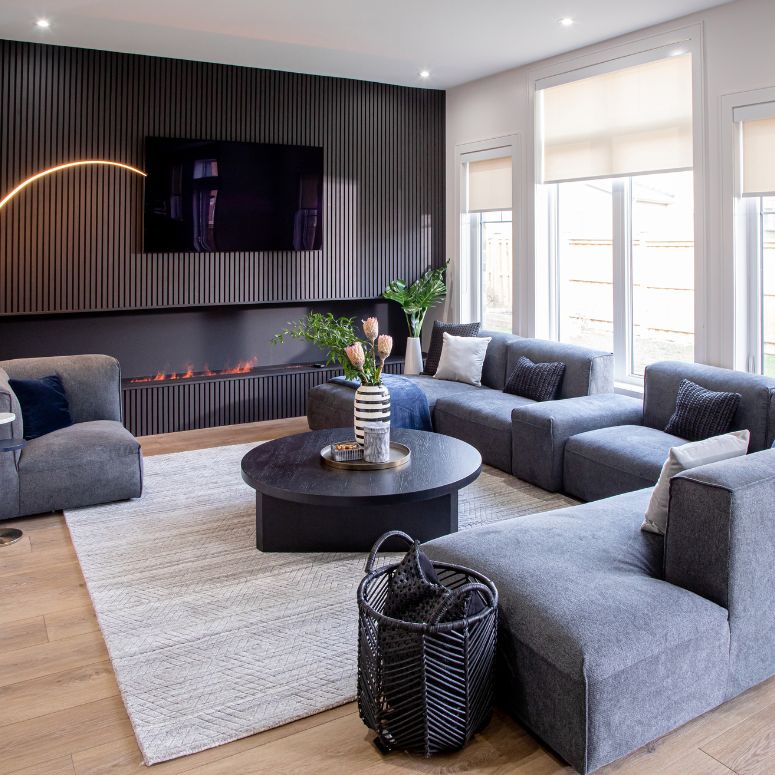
column 372, row 404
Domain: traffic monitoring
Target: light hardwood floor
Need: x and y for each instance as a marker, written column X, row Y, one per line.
column 60, row 712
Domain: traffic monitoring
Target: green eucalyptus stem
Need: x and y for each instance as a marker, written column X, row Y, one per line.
column 333, row 335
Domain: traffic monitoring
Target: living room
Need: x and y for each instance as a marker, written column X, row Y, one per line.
column 387, row 388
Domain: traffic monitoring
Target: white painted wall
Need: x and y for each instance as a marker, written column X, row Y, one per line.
column 738, row 55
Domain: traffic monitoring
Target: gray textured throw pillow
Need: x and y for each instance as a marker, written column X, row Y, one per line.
column 701, row 413
column 437, row 341
column 538, row 381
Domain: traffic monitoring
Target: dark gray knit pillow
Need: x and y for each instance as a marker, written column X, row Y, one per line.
column 437, row 341
column 539, row 381
column 701, row 413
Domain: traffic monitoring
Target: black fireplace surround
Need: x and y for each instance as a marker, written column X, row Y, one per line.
column 198, row 368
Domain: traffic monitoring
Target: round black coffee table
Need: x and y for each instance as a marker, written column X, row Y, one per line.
column 303, row 505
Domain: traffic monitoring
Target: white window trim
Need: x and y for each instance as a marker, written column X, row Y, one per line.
column 465, row 305
column 687, row 39
column 740, row 320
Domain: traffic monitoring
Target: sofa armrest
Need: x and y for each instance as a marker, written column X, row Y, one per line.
column 9, row 477
column 92, row 382
column 540, row 431
column 719, row 544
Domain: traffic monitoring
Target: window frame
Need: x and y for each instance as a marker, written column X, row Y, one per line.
column 741, row 217
column 466, row 300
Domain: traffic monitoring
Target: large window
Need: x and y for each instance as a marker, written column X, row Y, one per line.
column 624, row 261
column 616, row 167
column 487, row 237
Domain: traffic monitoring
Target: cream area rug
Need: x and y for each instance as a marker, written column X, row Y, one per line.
column 212, row 640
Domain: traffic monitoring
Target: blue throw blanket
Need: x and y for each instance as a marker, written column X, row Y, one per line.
column 408, row 404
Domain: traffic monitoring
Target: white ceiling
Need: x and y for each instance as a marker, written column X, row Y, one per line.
column 389, row 41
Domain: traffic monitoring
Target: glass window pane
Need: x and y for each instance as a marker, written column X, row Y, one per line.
column 662, row 269
column 768, row 284
column 585, row 264
column 487, row 241
column 496, row 256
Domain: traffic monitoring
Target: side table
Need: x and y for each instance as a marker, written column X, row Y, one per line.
column 10, row 535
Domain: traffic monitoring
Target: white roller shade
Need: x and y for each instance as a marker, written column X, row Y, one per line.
column 489, row 184
column 630, row 121
column 758, row 165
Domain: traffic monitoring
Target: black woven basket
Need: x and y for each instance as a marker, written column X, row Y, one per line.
column 434, row 689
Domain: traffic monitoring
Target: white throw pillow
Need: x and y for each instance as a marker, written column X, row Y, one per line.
column 698, row 453
column 462, row 358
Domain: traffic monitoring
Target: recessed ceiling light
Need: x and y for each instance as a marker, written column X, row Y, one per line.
column 425, row 73
column 677, row 52
column 566, row 21
column 43, row 24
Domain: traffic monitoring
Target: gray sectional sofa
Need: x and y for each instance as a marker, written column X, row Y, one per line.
column 611, row 637
column 95, row 460
column 482, row 416
column 598, row 446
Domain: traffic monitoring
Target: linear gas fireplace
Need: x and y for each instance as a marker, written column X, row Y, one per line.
column 197, row 368
column 243, row 367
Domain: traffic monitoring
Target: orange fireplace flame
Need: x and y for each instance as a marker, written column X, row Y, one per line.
column 242, row 367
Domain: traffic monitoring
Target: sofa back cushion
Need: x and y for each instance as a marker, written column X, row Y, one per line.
column 756, row 410
column 719, row 544
column 494, row 370
column 92, row 382
column 586, row 371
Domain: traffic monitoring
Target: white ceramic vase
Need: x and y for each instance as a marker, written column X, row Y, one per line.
column 413, row 358
column 372, row 404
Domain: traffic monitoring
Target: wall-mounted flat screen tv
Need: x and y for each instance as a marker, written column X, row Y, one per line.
column 209, row 196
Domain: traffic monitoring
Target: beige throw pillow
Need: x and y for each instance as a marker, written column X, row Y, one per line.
column 462, row 359
column 698, row 453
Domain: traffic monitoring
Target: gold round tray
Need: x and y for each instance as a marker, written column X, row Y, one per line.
column 400, row 455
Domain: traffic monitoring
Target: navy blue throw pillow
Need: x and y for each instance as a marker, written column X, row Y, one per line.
column 701, row 413
column 538, row 381
column 43, row 403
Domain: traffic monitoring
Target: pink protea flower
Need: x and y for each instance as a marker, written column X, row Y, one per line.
column 384, row 346
column 356, row 355
column 371, row 328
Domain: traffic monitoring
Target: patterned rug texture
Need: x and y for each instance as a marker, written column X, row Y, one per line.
column 212, row 640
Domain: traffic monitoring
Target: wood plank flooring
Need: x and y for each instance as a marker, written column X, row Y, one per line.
column 61, row 714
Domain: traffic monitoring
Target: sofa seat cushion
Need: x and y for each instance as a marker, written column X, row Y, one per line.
column 610, row 461
column 435, row 389
column 598, row 654
column 483, row 419
column 86, row 463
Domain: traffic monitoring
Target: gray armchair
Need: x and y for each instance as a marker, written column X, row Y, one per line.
column 95, row 460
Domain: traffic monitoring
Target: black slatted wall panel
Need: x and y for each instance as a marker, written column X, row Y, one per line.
column 73, row 241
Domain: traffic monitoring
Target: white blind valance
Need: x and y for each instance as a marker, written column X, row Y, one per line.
column 758, row 167
column 630, row 121
column 489, row 184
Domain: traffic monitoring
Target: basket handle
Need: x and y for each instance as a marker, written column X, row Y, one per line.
column 378, row 545
column 449, row 600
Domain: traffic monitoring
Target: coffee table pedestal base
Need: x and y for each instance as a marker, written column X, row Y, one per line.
column 285, row 526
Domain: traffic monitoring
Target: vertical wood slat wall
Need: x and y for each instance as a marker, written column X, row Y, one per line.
column 73, row 242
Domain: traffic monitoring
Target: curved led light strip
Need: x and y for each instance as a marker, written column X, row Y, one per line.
column 7, row 198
